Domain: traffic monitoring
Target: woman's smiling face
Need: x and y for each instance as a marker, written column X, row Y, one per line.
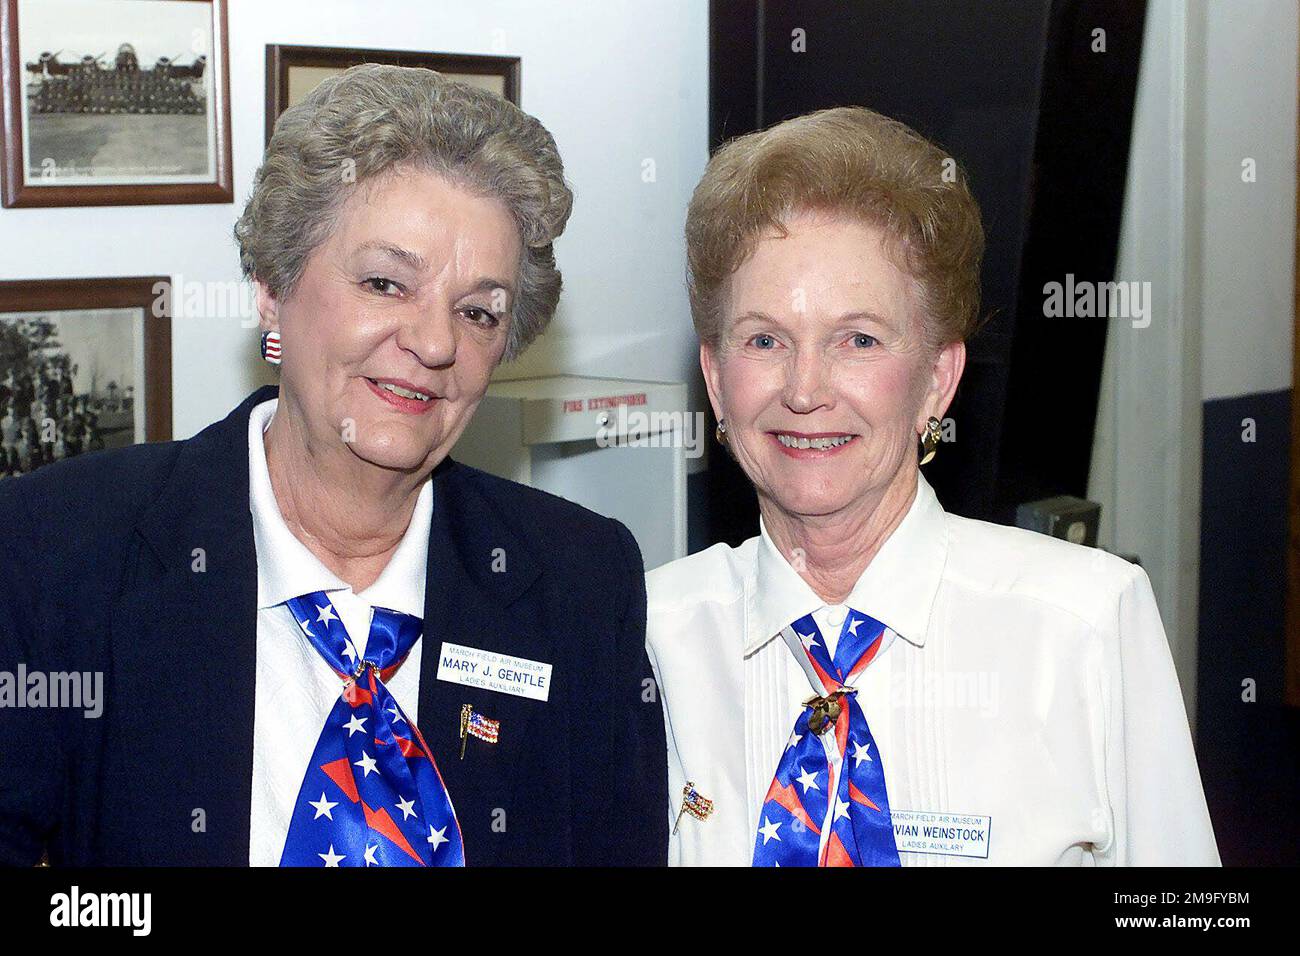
column 822, row 371
column 391, row 334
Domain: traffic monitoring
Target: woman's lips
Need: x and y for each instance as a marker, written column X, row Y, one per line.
column 412, row 406
column 811, row 452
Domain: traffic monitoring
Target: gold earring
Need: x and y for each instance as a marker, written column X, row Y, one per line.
column 720, row 433
column 929, row 440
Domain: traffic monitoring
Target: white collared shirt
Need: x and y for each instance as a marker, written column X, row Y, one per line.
column 1029, row 690
column 295, row 688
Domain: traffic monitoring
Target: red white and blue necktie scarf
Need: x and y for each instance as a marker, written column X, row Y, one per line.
column 819, row 811
column 372, row 795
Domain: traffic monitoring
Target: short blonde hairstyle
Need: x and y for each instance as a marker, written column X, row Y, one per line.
column 850, row 162
column 372, row 118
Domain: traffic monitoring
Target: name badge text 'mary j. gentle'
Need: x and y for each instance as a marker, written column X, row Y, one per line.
column 489, row 670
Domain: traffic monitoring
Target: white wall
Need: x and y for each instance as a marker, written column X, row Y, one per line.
column 617, row 82
column 1148, row 414
column 1218, row 84
column 1248, row 264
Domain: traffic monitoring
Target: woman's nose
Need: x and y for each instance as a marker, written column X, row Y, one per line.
column 430, row 335
column 807, row 383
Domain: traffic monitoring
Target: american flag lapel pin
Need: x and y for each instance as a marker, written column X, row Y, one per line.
column 694, row 803
column 474, row 724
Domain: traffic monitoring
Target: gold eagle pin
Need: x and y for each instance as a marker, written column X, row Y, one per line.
column 826, row 710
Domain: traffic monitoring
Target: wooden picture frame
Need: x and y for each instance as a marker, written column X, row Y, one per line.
column 92, row 114
column 75, row 410
column 282, row 61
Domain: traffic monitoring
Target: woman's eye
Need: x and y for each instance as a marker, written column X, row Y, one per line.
column 382, row 286
column 863, row 341
column 480, row 316
column 763, row 341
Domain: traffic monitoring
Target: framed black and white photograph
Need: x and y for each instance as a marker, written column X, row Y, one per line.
column 115, row 102
column 294, row 71
column 85, row 364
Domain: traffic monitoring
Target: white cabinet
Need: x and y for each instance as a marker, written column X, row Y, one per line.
column 616, row 446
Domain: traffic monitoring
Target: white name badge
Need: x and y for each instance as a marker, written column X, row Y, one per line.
column 492, row 671
column 946, row 834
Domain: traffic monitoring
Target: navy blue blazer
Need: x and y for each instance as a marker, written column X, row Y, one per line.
column 98, row 572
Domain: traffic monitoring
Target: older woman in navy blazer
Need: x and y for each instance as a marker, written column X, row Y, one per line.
column 278, row 603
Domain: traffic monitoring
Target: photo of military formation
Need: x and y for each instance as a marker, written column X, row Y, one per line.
column 117, row 92
column 124, row 86
column 55, row 404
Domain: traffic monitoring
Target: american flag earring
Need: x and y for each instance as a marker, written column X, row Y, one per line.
column 271, row 348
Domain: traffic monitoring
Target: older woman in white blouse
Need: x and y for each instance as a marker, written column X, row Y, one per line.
column 872, row 681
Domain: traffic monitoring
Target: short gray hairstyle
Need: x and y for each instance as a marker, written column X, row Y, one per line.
column 371, row 118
